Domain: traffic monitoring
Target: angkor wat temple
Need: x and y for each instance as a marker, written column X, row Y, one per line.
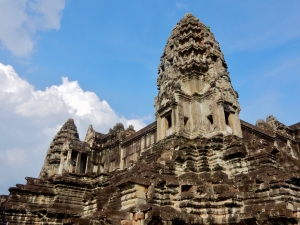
column 197, row 163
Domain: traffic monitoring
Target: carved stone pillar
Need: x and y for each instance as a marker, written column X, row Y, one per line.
column 121, row 158
column 175, row 120
column 68, row 166
column 236, row 125
column 160, row 129
column 172, row 122
column 180, row 117
column 219, row 116
column 88, row 166
column 77, row 169
column 195, row 119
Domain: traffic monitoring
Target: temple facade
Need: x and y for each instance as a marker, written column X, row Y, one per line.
column 197, row 163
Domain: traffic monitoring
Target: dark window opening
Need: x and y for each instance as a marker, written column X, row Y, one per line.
column 74, row 158
column 168, row 125
column 211, row 121
column 73, row 161
column 185, row 121
column 83, row 163
column 214, row 58
column 227, row 114
column 210, row 118
column 171, row 47
column 228, row 127
column 169, row 121
column 178, row 222
column 185, row 188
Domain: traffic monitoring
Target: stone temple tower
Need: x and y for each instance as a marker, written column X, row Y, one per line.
column 195, row 94
column 198, row 163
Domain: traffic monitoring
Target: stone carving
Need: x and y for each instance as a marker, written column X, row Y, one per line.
column 273, row 126
column 201, row 79
column 130, row 130
column 184, row 168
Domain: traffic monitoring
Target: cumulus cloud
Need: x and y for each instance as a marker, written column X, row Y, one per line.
column 20, row 20
column 30, row 118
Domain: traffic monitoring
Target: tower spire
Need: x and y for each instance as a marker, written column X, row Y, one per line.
column 52, row 161
column 195, row 93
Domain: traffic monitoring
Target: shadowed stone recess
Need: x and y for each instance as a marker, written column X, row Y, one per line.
column 197, row 163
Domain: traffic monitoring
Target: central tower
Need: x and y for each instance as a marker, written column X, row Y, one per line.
column 195, row 94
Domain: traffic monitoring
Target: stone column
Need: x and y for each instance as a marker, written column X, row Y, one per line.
column 193, row 118
column 121, row 158
column 68, row 166
column 147, row 140
column 219, row 117
column 236, row 124
column 158, row 129
column 88, row 164
column 142, row 144
column 78, row 163
column 161, row 128
column 174, row 119
column 179, row 118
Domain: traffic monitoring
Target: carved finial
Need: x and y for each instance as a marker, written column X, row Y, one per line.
column 130, row 127
column 188, row 15
column 90, row 130
column 118, row 127
column 130, row 130
column 69, row 130
column 89, row 133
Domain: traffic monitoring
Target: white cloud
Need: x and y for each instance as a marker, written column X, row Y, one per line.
column 14, row 157
column 180, row 5
column 20, row 20
column 30, row 119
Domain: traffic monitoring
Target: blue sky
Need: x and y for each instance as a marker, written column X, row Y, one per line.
column 108, row 53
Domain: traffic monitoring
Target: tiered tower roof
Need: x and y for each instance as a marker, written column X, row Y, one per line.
column 67, row 132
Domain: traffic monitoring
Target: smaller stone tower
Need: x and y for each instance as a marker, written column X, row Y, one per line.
column 195, row 94
column 52, row 164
